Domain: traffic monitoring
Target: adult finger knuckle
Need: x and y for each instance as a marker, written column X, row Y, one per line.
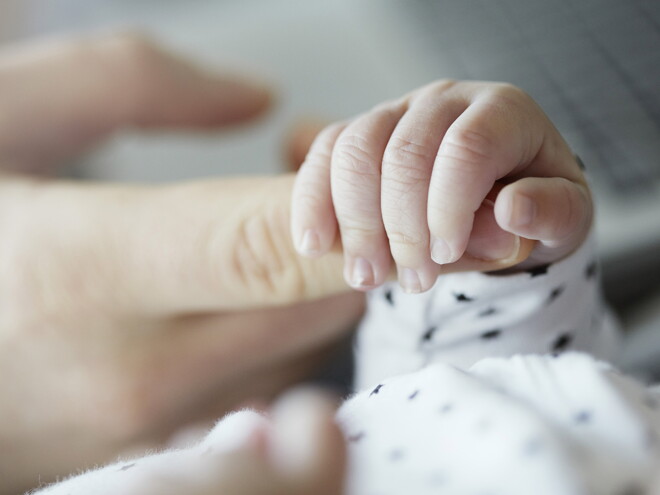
column 262, row 260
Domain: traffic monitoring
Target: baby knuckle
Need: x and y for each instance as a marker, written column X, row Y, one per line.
column 356, row 234
column 330, row 133
column 386, row 107
column 509, row 95
column 406, row 240
column 321, row 149
column 352, row 155
column 307, row 200
column 508, row 89
column 316, row 156
column 403, row 187
column 439, row 87
column 408, row 156
column 468, row 145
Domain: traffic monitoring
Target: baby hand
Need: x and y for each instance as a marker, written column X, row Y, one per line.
column 453, row 171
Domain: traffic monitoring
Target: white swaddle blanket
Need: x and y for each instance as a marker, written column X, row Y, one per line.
column 438, row 414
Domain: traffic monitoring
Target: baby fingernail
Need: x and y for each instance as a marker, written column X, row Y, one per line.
column 310, row 243
column 523, row 211
column 501, row 245
column 362, row 275
column 410, row 280
column 440, row 251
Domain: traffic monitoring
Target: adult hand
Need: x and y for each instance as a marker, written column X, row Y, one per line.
column 127, row 311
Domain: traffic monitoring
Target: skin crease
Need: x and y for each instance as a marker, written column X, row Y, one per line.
column 165, row 304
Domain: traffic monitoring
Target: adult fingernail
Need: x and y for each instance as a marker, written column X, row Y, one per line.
column 410, row 280
column 523, row 211
column 362, row 274
column 440, row 251
column 310, row 243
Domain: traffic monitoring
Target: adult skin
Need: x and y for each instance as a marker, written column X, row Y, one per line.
column 128, row 311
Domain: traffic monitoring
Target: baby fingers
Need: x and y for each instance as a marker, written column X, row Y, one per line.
column 413, row 181
column 555, row 211
column 313, row 224
column 356, row 193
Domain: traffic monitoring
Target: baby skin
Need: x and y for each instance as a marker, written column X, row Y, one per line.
column 470, row 378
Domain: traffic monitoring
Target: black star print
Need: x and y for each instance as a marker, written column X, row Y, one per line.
column 462, row 297
column 428, row 335
column 591, row 270
column 413, row 395
column 127, row 467
column 583, row 417
column 388, row 297
column 556, row 292
column 538, row 270
column 491, row 334
column 487, row 312
column 562, row 342
column 376, row 390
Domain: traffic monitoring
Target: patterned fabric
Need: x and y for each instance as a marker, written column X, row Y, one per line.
column 470, row 316
column 448, row 408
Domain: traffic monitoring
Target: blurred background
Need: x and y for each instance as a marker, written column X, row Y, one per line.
column 593, row 65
